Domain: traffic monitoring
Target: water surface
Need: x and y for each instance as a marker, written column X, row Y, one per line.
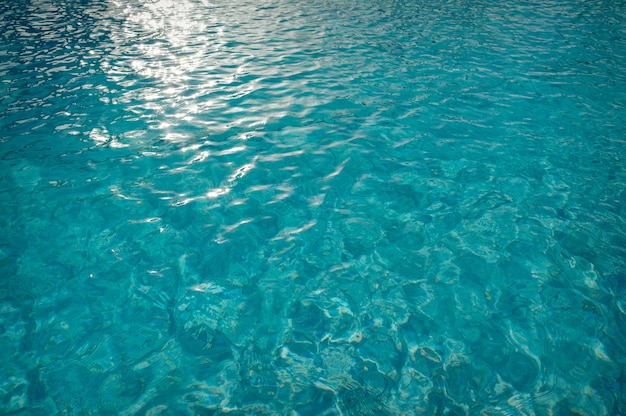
column 333, row 207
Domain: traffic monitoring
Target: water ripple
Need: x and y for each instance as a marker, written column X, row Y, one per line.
column 304, row 207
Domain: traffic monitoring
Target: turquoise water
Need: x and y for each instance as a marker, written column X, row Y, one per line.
column 328, row 207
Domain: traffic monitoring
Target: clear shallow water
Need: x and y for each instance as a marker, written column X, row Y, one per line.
column 313, row 208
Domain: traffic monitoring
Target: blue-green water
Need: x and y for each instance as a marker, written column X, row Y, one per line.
column 327, row 207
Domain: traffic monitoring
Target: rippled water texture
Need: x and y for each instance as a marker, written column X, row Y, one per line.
column 326, row 207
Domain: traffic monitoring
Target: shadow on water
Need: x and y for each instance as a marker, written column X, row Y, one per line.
column 356, row 399
column 365, row 395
